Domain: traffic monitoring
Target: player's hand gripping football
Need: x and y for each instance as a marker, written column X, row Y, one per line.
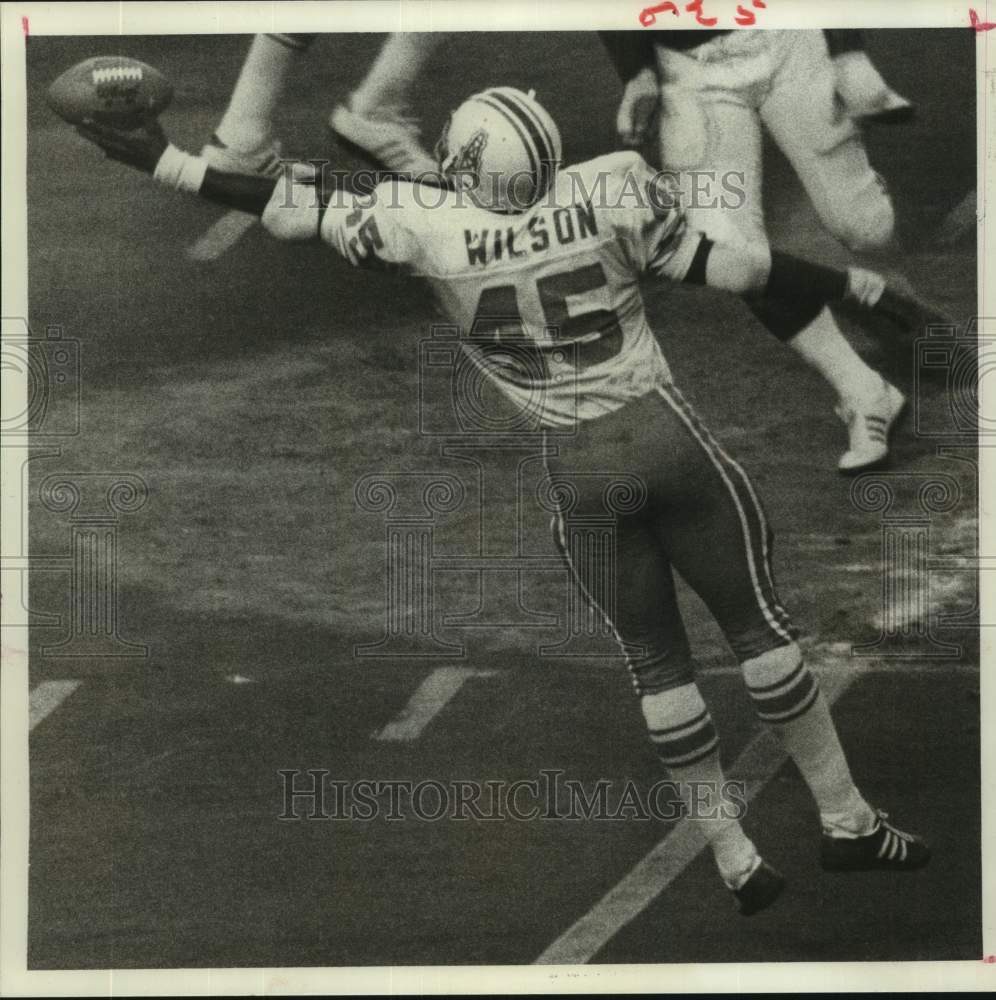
column 141, row 147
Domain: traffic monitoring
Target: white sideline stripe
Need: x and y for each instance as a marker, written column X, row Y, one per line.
column 46, row 698
column 429, row 699
column 757, row 765
column 222, row 236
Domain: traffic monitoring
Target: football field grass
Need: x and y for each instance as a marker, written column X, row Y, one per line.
column 254, row 393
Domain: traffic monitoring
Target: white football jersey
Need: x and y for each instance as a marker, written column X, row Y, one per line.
column 547, row 301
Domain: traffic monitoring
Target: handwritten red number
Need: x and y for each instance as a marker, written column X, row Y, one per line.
column 978, row 25
column 745, row 17
column 648, row 16
column 695, row 7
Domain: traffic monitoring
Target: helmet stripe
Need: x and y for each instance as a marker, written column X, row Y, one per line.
column 551, row 146
column 546, row 153
column 537, row 191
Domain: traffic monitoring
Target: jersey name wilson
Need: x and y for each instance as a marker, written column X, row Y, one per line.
column 563, row 225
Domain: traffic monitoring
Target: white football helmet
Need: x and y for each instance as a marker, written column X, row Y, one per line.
column 502, row 148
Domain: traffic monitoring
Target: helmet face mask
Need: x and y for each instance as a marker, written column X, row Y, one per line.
column 502, row 148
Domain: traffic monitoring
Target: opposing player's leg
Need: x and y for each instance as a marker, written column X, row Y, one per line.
column 824, row 145
column 828, row 154
column 860, row 86
column 630, row 582
column 717, row 536
column 376, row 119
column 710, row 135
column 710, row 127
column 244, row 141
column 869, row 406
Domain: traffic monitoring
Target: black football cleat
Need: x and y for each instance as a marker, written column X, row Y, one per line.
column 760, row 890
column 886, row 847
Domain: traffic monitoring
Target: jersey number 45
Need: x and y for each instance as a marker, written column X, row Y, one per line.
column 580, row 339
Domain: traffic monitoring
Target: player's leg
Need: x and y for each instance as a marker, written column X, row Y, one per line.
column 826, row 151
column 856, row 837
column 710, row 126
column 376, row 118
column 860, row 86
column 632, row 585
column 823, row 145
column 244, row 140
column 718, row 538
column 868, row 405
column 709, row 134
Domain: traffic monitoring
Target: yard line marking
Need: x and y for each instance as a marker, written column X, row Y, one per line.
column 431, row 696
column 756, row 765
column 222, row 236
column 46, row 698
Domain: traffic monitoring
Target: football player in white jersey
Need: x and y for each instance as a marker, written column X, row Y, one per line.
column 376, row 121
column 539, row 265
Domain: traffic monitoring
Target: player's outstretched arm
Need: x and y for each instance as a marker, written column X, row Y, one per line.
column 785, row 277
column 148, row 149
column 781, row 275
column 292, row 207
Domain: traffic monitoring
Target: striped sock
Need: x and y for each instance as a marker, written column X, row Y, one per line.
column 787, row 697
column 685, row 739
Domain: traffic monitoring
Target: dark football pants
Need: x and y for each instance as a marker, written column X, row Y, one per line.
column 679, row 501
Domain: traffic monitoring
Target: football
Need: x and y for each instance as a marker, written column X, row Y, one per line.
column 111, row 90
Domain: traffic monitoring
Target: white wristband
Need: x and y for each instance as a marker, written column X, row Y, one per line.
column 179, row 170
